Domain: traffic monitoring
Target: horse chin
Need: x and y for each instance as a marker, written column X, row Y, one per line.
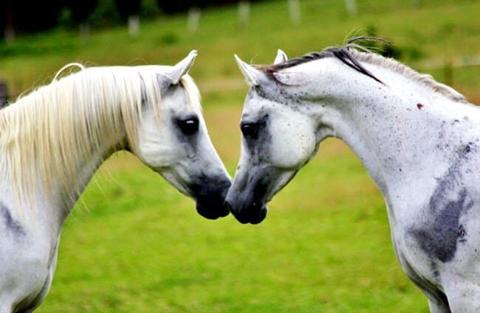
column 210, row 194
column 258, row 216
column 253, row 215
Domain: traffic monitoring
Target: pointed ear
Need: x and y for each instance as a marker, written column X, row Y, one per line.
column 253, row 76
column 181, row 68
column 281, row 57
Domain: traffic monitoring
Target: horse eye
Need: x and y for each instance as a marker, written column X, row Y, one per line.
column 188, row 126
column 249, row 129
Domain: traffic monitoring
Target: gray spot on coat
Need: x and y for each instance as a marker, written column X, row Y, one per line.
column 440, row 236
column 11, row 224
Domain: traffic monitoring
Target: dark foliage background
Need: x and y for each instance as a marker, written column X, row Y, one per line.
column 29, row 16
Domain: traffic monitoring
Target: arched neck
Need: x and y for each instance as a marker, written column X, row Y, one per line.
column 401, row 136
column 48, row 162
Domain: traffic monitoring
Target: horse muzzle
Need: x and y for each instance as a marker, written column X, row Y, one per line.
column 211, row 199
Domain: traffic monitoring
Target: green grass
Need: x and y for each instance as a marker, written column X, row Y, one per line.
column 322, row 249
column 135, row 244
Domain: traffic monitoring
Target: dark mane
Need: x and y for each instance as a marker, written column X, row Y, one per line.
column 341, row 53
column 352, row 53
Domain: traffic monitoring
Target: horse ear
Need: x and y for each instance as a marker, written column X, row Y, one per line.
column 281, row 57
column 181, row 68
column 253, row 76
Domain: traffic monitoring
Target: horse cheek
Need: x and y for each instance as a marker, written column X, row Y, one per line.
column 294, row 146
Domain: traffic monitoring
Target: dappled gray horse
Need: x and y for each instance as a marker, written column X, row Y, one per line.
column 53, row 140
column 418, row 139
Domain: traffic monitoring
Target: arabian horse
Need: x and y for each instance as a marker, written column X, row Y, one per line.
column 418, row 139
column 53, row 140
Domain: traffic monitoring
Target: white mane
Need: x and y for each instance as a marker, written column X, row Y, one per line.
column 46, row 135
column 424, row 79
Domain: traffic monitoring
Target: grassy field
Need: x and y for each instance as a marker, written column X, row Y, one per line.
column 134, row 244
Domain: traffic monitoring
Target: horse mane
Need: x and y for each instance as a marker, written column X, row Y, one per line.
column 352, row 54
column 47, row 134
column 425, row 79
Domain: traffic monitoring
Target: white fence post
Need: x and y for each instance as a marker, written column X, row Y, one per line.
column 134, row 25
column 193, row 19
column 351, row 7
column 243, row 13
column 84, row 30
column 9, row 34
column 294, row 9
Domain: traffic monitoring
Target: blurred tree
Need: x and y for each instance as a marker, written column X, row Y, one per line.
column 170, row 7
column 106, row 14
column 27, row 16
column 80, row 12
column 130, row 10
column 7, row 21
column 22, row 16
column 149, row 8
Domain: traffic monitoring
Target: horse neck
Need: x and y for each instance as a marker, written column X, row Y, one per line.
column 49, row 185
column 400, row 130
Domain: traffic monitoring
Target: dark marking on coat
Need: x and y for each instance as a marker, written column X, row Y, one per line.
column 11, row 224
column 277, row 93
column 435, row 271
column 420, row 106
column 440, row 236
column 440, row 239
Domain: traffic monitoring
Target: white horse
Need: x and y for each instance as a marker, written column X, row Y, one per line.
column 53, row 140
column 418, row 139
